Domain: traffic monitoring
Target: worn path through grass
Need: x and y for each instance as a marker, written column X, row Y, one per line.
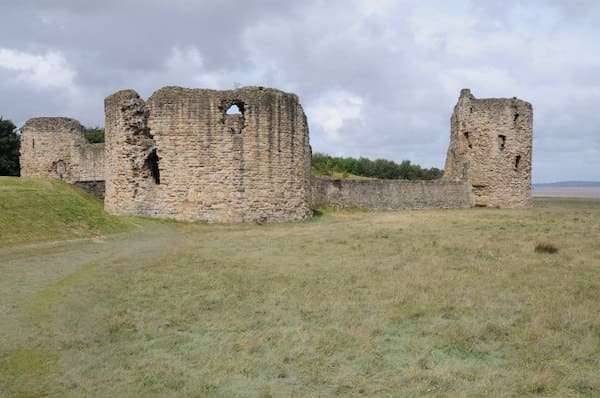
column 421, row 303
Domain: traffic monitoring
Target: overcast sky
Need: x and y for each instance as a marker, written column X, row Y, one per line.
column 377, row 78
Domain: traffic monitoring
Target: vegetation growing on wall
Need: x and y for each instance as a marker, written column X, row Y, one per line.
column 10, row 142
column 324, row 164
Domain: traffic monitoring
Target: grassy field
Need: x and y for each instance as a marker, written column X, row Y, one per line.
column 417, row 303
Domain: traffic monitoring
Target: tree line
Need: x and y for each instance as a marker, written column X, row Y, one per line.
column 324, row 164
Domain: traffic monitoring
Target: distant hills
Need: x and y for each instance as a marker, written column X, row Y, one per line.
column 569, row 184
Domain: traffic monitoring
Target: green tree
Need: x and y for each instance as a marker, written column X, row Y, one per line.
column 10, row 143
column 94, row 134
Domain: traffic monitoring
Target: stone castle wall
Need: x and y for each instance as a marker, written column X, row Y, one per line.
column 490, row 148
column 390, row 194
column 181, row 155
column 56, row 147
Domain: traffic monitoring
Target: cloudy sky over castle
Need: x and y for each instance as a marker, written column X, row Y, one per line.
column 377, row 78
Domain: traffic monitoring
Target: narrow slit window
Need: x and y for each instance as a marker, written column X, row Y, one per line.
column 501, row 141
column 517, row 162
column 468, row 139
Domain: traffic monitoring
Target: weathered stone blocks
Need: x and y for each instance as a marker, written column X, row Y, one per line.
column 244, row 155
column 56, row 147
column 490, row 148
column 390, row 194
column 182, row 155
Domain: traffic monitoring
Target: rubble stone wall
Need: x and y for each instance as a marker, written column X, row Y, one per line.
column 56, row 147
column 182, row 155
column 490, row 148
column 244, row 155
column 390, row 194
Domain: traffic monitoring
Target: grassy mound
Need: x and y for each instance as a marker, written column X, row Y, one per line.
column 40, row 210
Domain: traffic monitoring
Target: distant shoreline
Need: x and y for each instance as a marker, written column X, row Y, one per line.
column 566, row 191
column 568, row 184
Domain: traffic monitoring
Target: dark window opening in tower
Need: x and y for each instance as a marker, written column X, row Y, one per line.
column 501, row 141
column 467, row 137
column 151, row 166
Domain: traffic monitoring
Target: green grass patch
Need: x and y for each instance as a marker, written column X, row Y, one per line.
column 40, row 210
column 25, row 373
column 378, row 304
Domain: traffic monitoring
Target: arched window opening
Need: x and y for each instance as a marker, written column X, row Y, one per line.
column 60, row 168
column 234, row 110
column 151, row 166
column 234, row 118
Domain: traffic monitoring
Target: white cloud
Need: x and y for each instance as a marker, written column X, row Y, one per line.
column 50, row 70
column 331, row 111
column 484, row 81
column 189, row 62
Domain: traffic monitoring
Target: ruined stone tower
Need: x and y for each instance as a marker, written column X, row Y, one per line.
column 183, row 154
column 490, row 148
column 244, row 155
column 56, row 147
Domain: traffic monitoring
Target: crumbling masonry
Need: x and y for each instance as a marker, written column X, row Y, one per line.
column 490, row 149
column 56, row 147
column 182, row 155
column 244, row 155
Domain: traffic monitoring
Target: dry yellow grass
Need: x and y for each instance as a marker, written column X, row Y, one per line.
column 418, row 303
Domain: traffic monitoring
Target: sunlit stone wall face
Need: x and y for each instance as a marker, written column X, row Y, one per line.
column 56, row 147
column 216, row 156
column 490, row 148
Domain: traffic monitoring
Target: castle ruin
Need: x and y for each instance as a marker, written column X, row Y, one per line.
column 182, row 155
column 490, row 149
column 244, row 155
column 56, row 147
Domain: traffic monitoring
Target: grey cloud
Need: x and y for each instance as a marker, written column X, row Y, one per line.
column 541, row 51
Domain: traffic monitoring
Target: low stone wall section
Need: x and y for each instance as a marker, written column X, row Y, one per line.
column 390, row 194
column 95, row 188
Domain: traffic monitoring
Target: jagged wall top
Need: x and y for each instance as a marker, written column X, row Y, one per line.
column 180, row 154
column 491, row 148
column 56, row 147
